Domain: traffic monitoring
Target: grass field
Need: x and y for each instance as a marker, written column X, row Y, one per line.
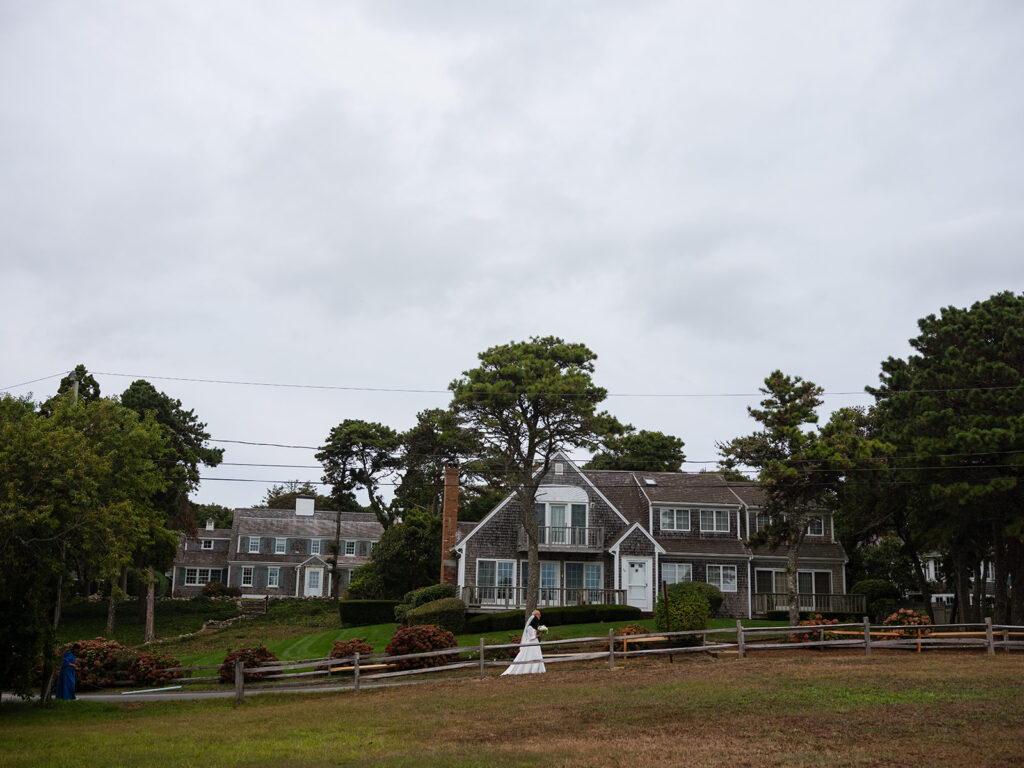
column 791, row 708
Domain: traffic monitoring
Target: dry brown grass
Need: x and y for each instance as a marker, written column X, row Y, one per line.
column 785, row 708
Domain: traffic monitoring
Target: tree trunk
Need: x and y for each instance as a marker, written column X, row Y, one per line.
column 111, row 610
column 978, row 608
column 922, row 584
column 963, row 588
column 335, row 574
column 1015, row 554
column 528, row 519
column 1001, row 595
column 792, row 586
column 150, row 604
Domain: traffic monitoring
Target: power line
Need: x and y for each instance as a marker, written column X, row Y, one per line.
column 34, row 381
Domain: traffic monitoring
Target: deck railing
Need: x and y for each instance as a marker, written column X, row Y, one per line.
column 566, row 538
column 766, row 602
column 515, row 597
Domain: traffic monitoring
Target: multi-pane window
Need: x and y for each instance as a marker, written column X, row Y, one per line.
column 673, row 519
column 273, row 577
column 247, row 575
column 761, row 521
column 816, row 527
column 207, row 543
column 494, row 579
column 196, row 576
column 583, row 583
column 562, row 523
column 350, row 547
column 280, row 546
column 314, row 546
column 714, row 520
column 674, row 573
column 722, row 576
column 254, row 544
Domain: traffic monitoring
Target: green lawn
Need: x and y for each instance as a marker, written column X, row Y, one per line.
column 787, row 709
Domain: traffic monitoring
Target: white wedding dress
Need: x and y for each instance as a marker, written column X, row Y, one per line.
column 529, row 660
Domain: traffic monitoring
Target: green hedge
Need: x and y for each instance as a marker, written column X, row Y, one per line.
column 421, row 596
column 573, row 614
column 448, row 613
column 361, row 613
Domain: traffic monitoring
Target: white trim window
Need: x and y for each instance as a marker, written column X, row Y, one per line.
column 247, row 571
column 673, row 519
column 254, row 545
column 676, row 573
column 583, row 583
column 350, row 548
column 273, row 577
column 722, row 576
column 195, row 577
column 207, row 543
column 761, row 521
column 562, row 523
column 495, row 580
column 280, row 546
column 816, row 526
column 714, row 521
column 314, row 546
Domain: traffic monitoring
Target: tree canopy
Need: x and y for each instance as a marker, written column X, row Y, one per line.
column 640, row 451
column 527, row 401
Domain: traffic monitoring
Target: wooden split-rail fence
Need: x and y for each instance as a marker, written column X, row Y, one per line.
column 739, row 641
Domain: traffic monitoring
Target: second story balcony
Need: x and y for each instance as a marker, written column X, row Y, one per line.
column 559, row 538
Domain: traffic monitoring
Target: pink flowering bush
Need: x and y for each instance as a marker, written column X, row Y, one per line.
column 906, row 617
column 811, row 632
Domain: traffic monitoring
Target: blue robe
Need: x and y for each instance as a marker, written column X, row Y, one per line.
column 66, row 680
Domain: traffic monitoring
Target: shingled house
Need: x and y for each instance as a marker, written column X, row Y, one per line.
column 275, row 552
column 613, row 536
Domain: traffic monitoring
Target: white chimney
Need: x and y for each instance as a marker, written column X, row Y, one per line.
column 209, row 523
column 304, row 505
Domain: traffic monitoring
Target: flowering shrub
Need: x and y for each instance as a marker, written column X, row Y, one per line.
column 906, row 617
column 251, row 657
column 104, row 663
column 812, row 633
column 421, row 638
column 633, row 629
column 344, row 649
column 216, row 589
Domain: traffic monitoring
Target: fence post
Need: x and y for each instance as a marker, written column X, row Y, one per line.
column 739, row 639
column 867, row 636
column 1006, row 641
column 355, row 671
column 239, row 681
column 481, row 658
column 611, row 649
column 988, row 636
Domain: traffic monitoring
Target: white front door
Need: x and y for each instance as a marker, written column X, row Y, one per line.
column 314, row 582
column 636, row 578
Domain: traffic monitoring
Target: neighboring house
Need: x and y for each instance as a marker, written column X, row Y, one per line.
column 613, row 537
column 275, row 552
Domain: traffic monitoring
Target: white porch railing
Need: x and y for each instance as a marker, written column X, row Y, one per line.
column 855, row 605
column 515, row 597
column 565, row 538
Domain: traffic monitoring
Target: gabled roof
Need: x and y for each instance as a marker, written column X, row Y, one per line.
column 630, row 491
column 321, row 524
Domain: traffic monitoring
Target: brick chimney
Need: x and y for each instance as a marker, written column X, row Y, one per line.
column 449, row 525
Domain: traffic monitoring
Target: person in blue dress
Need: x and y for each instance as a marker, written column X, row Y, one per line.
column 66, row 680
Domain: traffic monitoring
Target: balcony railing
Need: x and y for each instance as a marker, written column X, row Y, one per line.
column 515, row 597
column 765, row 602
column 564, row 538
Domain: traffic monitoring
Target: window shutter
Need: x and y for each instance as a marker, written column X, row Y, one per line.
column 259, row 577
column 181, row 576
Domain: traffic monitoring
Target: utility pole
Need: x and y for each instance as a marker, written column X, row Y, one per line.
column 74, row 388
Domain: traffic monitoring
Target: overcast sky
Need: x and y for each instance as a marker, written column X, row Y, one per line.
column 366, row 195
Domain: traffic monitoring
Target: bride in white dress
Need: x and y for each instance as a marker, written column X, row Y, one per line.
column 529, row 660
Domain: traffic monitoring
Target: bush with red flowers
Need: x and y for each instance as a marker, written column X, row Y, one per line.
column 421, row 638
column 105, row 663
column 812, row 633
column 251, row 657
column 907, row 617
column 344, row 649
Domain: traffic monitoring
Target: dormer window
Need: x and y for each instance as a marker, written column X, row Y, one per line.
column 816, row 527
column 207, row 543
column 559, row 468
column 650, row 481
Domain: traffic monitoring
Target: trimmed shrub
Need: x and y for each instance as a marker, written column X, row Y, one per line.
column 361, row 613
column 875, row 589
column 573, row 614
column 881, row 609
column 104, row 663
column 422, row 596
column 216, row 589
column 448, row 613
column 421, row 638
column 251, row 657
column 712, row 593
column 344, row 649
column 686, row 611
